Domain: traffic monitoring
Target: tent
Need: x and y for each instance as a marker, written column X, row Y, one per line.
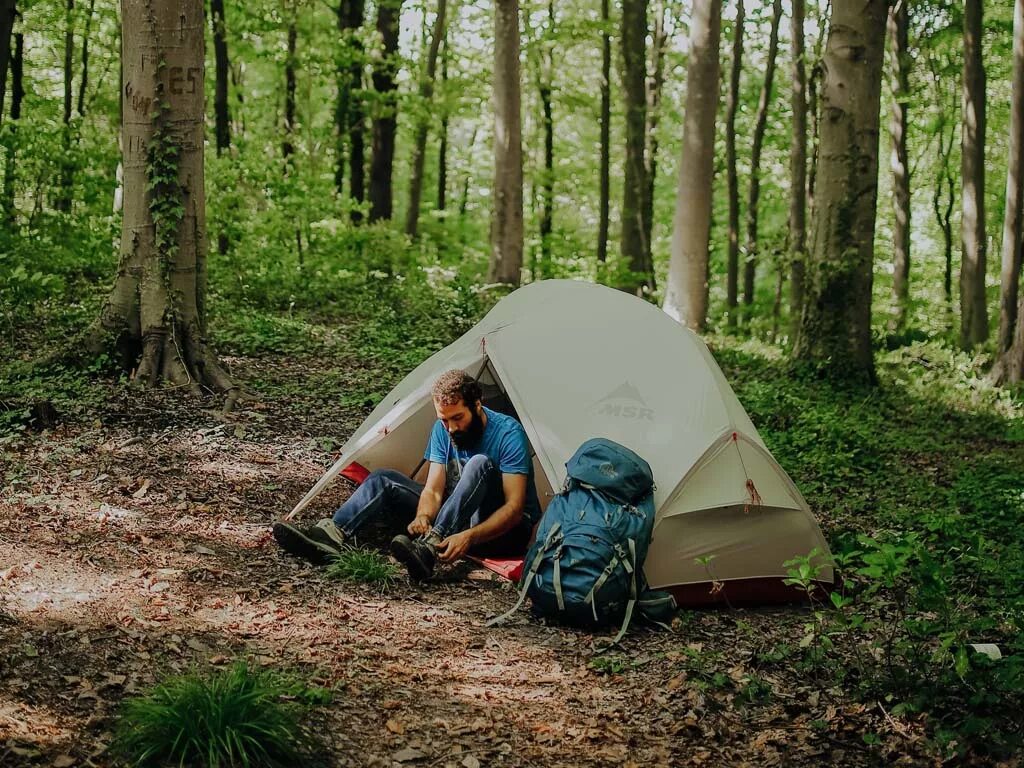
column 574, row 360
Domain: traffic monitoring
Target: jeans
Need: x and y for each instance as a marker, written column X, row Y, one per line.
column 386, row 503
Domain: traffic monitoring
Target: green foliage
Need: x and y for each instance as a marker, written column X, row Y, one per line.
column 240, row 716
column 363, row 566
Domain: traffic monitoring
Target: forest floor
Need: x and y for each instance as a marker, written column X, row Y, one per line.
column 135, row 542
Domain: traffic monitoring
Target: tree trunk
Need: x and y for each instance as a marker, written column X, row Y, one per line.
column 606, row 118
column 67, row 172
column 732, row 177
column 547, row 186
column 442, row 150
column 507, row 201
column 654, row 88
column 385, row 119
column 634, row 76
column 973, row 310
column 84, row 84
column 750, row 263
column 835, row 324
column 1012, row 224
column 349, row 114
column 686, row 296
column 288, row 146
column 900, row 82
column 155, row 309
column 221, row 109
column 8, row 11
column 1010, row 365
column 419, row 154
column 797, row 169
column 17, row 94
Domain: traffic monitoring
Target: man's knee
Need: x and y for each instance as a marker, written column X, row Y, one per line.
column 478, row 464
column 384, row 478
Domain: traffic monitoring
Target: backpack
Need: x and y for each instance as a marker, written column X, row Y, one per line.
column 585, row 567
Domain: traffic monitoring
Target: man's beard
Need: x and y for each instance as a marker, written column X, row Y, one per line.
column 470, row 436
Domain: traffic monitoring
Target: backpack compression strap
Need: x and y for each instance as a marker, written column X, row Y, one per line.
column 632, row 595
column 528, row 576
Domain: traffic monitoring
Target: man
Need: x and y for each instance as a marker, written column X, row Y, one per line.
column 479, row 495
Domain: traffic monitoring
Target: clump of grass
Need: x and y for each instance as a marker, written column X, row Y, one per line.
column 365, row 567
column 234, row 717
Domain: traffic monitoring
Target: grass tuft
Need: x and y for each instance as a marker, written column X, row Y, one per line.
column 234, row 717
column 365, row 567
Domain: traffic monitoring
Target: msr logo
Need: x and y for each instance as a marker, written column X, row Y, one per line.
column 624, row 402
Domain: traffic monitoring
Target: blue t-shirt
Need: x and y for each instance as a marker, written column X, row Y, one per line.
column 503, row 442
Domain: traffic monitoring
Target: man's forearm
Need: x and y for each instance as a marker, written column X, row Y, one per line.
column 429, row 505
column 503, row 520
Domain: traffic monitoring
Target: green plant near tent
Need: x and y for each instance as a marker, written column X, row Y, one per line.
column 239, row 716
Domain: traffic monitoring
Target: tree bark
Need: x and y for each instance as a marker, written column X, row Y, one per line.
column 686, row 296
column 221, row 109
column 8, row 12
column 655, row 84
column 349, row 116
column 419, row 154
column 288, row 145
column 797, row 168
column 944, row 180
column 760, row 125
column 732, row 177
column 547, row 187
column 17, row 95
column 155, row 312
column 604, row 171
column 898, row 24
column 442, row 149
column 634, row 76
column 67, row 172
column 507, row 203
column 1012, row 223
column 385, row 120
column 973, row 309
column 835, row 324
column 84, row 84
column 1010, row 365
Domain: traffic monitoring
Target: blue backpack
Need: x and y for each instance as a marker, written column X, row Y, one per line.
column 585, row 567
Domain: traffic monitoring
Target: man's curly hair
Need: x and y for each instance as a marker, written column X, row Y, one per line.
column 455, row 386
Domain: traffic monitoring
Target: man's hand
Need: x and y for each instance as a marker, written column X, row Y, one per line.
column 455, row 546
column 420, row 526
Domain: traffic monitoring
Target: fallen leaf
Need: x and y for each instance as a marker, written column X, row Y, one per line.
column 407, row 755
column 142, row 489
column 470, row 762
column 395, row 727
column 63, row 761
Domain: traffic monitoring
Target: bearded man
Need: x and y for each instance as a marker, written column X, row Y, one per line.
column 479, row 497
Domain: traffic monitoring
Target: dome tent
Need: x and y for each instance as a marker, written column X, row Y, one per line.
column 575, row 360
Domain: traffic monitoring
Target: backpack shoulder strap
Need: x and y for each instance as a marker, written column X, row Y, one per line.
column 528, row 576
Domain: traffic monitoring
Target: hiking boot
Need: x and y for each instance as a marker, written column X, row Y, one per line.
column 417, row 555
column 318, row 544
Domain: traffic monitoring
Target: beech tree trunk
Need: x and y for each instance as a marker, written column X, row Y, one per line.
column 84, row 84
column 835, row 324
column 1010, row 365
column 349, row 114
column 8, row 12
column 944, row 183
column 732, row 177
column 973, row 310
column 760, row 125
column 654, row 87
column 385, row 120
column 898, row 24
column 686, row 295
column 606, row 119
column 634, row 75
column 155, row 314
column 507, row 196
column 797, row 168
column 419, row 153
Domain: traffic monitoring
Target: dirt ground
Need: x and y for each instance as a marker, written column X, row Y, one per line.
column 134, row 543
